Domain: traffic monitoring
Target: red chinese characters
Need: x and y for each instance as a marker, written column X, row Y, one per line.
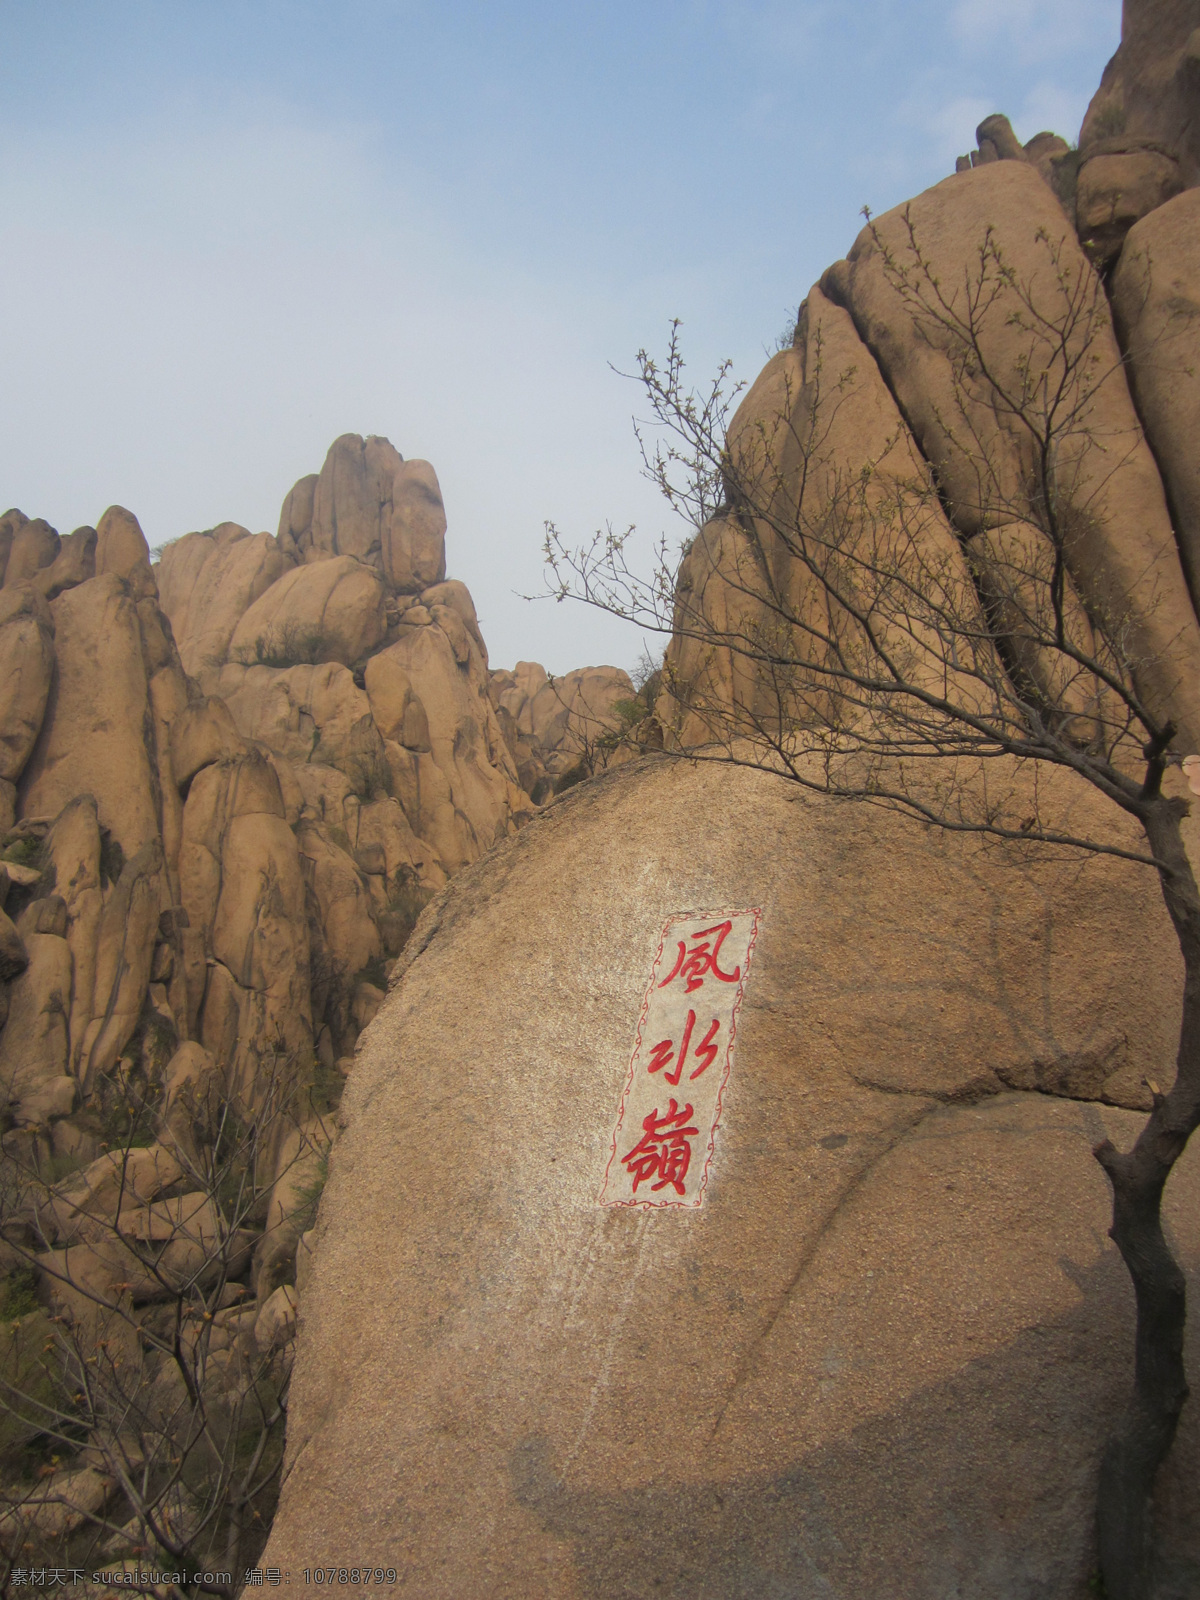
column 663, row 1052
column 701, row 961
column 681, row 1058
column 664, row 1151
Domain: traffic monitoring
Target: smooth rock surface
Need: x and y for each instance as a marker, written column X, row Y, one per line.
column 26, row 671
column 207, row 582
column 94, row 735
column 332, row 610
column 1156, row 303
column 879, row 1360
column 1125, row 559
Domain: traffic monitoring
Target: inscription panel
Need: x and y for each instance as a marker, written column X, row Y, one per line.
column 662, row 1144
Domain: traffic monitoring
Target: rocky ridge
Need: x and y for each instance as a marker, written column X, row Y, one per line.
column 882, row 1358
column 229, row 781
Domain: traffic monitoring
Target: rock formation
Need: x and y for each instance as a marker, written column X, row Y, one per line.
column 229, row 782
column 834, row 1376
column 900, row 1262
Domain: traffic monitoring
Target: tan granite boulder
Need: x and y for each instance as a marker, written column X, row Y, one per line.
column 14, row 958
column 352, row 500
column 370, row 503
column 296, row 515
column 208, row 581
column 299, row 1176
column 75, row 563
column 10, row 524
column 94, row 734
column 1147, row 95
column 414, row 548
column 1156, row 303
column 465, row 740
column 392, row 853
column 124, row 957
column 1115, row 189
column 1126, row 561
column 35, row 1079
column 192, row 1089
column 121, row 549
column 33, row 548
column 202, row 732
column 764, row 1394
column 74, row 848
column 341, row 908
column 426, row 797
column 246, row 940
column 395, row 706
column 308, row 714
column 117, row 1181
column 332, row 610
column 26, row 670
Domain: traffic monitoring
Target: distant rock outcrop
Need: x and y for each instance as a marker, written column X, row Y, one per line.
column 228, row 784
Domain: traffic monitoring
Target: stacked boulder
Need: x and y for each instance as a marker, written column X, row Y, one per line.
column 1139, row 145
column 1122, row 276
column 229, row 781
column 561, row 730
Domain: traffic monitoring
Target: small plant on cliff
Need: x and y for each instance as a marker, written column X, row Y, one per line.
column 829, row 625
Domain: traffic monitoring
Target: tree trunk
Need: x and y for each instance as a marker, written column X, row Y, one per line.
column 1143, row 1437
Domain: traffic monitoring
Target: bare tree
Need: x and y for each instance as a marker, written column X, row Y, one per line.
column 828, row 624
column 143, row 1390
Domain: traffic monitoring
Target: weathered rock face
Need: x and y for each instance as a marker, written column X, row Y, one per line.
column 34, row 1044
column 1128, row 561
column 414, row 550
column 207, row 582
column 352, row 501
column 33, row 548
column 1146, row 101
column 74, row 847
column 124, row 957
column 75, row 563
column 10, row 523
column 26, row 668
column 332, row 610
column 895, row 1233
column 368, row 502
column 246, row 946
column 1156, row 301
column 817, row 443
column 94, row 737
column 121, row 549
column 436, row 667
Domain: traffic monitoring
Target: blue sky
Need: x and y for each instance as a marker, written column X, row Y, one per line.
column 232, row 229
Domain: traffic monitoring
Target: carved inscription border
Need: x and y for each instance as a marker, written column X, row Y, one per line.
column 662, row 1144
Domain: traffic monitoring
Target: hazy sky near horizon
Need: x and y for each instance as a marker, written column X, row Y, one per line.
column 231, row 230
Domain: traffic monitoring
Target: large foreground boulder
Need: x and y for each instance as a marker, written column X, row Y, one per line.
column 880, row 1358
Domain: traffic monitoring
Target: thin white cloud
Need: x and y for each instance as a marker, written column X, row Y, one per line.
column 949, row 125
column 1053, row 107
column 1035, row 31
